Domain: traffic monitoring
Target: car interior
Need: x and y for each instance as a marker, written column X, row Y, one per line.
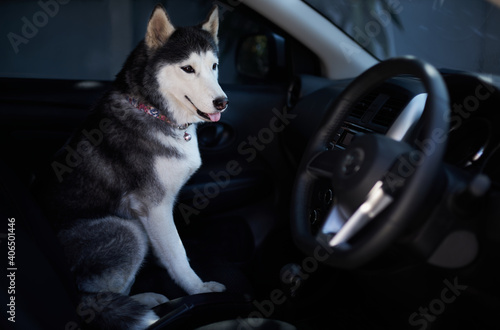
column 342, row 188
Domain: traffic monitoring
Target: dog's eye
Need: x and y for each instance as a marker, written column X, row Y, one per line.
column 214, row 67
column 187, row 69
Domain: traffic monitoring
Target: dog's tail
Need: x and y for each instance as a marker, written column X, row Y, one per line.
column 107, row 310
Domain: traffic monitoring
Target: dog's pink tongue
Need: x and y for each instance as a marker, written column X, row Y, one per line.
column 214, row 116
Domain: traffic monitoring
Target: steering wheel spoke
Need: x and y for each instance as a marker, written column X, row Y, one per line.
column 376, row 201
column 402, row 128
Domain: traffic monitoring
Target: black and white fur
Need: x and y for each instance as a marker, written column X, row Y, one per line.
column 114, row 184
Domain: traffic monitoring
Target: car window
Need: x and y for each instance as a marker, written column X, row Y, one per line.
column 90, row 39
column 454, row 34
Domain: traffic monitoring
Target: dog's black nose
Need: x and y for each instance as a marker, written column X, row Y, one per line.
column 221, row 103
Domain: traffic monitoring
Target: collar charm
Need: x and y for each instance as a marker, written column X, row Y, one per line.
column 155, row 113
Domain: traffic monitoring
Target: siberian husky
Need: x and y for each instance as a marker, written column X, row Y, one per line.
column 115, row 182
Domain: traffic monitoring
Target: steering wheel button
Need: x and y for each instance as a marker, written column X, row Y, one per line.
column 328, row 197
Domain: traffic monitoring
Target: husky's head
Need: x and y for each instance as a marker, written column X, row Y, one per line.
column 184, row 64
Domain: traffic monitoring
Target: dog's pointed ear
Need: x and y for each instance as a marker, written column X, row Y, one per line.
column 211, row 24
column 159, row 28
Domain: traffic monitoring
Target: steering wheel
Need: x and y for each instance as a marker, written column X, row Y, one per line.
column 380, row 181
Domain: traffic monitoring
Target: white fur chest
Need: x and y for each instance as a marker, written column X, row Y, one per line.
column 173, row 172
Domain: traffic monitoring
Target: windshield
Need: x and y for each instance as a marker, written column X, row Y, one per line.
column 452, row 34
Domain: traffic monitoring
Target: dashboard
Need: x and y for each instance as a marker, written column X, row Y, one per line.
column 474, row 136
column 394, row 108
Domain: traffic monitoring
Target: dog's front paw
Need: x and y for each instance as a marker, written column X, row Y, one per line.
column 212, row 287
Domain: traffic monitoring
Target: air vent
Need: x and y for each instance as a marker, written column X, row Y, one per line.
column 390, row 110
column 362, row 106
